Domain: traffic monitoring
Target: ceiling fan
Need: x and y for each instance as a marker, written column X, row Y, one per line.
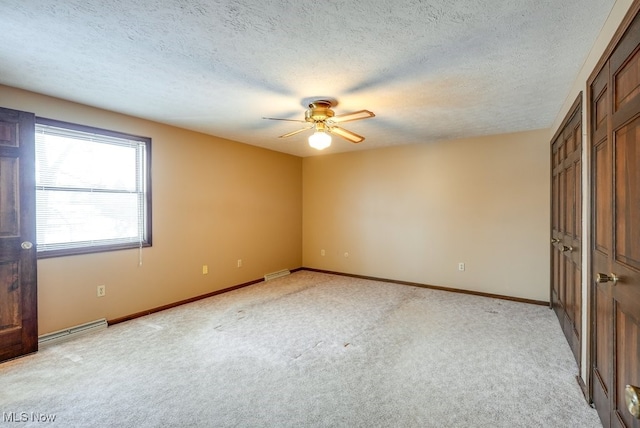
column 321, row 117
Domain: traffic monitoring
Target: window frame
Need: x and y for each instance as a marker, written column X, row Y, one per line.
column 147, row 216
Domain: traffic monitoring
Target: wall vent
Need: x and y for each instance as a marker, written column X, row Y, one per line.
column 274, row 275
column 70, row 333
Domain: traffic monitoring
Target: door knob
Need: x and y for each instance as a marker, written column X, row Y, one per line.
column 565, row 248
column 631, row 394
column 26, row 245
column 555, row 240
column 603, row 277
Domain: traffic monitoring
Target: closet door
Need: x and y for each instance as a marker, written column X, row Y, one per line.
column 615, row 212
column 566, row 227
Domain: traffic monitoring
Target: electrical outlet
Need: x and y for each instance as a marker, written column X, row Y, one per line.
column 205, row 269
column 102, row 290
column 239, row 263
column 346, row 254
column 461, row 267
column 322, row 253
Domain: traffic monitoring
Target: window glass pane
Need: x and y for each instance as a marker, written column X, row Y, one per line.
column 65, row 162
column 87, row 216
column 91, row 189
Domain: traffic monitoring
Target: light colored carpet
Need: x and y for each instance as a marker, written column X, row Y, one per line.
column 311, row 350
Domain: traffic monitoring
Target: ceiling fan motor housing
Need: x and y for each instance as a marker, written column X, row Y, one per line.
column 319, row 111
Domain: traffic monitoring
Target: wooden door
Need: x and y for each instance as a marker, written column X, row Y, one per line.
column 18, row 300
column 615, row 253
column 566, row 227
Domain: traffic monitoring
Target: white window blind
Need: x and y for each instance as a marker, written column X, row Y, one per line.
column 91, row 189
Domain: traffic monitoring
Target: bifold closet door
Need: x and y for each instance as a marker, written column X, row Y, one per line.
column 615, row 212
column 566, row 227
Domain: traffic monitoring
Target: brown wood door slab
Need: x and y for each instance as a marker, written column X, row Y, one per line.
column 18, row 298
column 566, row 227
column 615, row 212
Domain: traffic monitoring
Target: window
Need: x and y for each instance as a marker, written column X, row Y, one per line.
column 93, row 189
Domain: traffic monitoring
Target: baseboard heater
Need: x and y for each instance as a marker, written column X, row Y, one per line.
column 274, row 275
column 70, row 333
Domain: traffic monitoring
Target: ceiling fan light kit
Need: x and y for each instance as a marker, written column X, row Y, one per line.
column 320, row 140
column 323, row 120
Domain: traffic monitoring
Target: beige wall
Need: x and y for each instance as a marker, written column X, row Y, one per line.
column 214, row 201
column 414, row 212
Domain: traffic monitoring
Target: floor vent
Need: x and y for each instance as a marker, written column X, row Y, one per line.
column 70, row 333
column 274, row 275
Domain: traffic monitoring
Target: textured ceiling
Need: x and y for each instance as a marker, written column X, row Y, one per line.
column 429, row 69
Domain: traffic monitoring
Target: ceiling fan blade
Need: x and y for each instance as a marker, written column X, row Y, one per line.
column 347, row 135
column 356, row 115
column 288, row 120
column 295, row 132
